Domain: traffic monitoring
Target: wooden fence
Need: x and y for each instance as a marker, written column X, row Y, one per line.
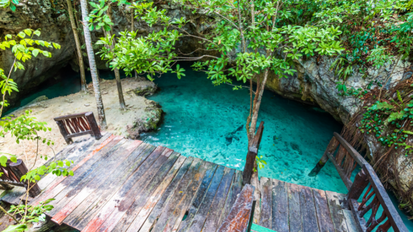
column 345, row 161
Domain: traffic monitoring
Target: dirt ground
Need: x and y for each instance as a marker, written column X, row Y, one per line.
column 139, row 109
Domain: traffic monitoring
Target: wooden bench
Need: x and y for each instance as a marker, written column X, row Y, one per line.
column 77, row 125
column 12, row 174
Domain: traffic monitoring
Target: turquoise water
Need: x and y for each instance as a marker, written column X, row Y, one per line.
column 208, row 122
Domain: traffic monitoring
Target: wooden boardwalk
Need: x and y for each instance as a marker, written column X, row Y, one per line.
column 288, row 207
column 128, row 185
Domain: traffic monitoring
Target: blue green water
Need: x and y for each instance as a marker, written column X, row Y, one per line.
column 208, row 122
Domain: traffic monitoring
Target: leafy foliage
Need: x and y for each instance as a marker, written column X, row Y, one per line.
column 9, row 3
column 25, row 126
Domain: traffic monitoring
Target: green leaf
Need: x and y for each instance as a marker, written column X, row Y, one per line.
column 399, row 96
column 21, row 35
column 28, row 32
column 16, row 228
column 3, row 160
column 395, row 116
column 13, row 8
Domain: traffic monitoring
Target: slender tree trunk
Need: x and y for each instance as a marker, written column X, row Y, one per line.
column 92, row 65
column 116, row 71
column 257, row 103
column 78, row 46
column 132, row 28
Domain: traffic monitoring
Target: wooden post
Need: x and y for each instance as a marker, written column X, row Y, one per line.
column 360, row 183
column 332, row 146
column 93, row 125
column 64, row 132
column 251, row 155
column 19, row 169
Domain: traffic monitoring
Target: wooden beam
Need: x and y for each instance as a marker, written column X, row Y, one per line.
column 340, row 171
column 350, row 149
column 239, row 218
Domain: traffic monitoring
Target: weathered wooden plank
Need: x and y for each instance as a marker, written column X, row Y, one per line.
column 308, row 210
column 239, row 217
column 14, row 195
column 122, row 200
column 279, row 206
column 60, row 183
column 179, row 203
column 354, row 208
column 350, row 221
column 236, row 187
column 257, row 197
column 212, row 222
column 336, row 211
column 325, row 222
column 294, row 208
column 147, row 191
column 97, row 173
column 77, row 151
column 266, row 203
column 200, row 216
column 94, row 202
column 196, row 203
column 94, row 187
column 180, row 166
column 149, row 216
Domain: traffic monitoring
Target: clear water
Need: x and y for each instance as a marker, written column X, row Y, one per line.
column 208, row 122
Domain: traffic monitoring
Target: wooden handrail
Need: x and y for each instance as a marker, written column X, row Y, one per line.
column 251, row 155
column 77, row 125
column 345, row 161
column 12, row 174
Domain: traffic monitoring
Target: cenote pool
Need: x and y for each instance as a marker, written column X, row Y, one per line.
column 208, row 122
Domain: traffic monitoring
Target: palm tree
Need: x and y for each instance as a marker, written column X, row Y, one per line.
column 92, row 65
column 79, row 51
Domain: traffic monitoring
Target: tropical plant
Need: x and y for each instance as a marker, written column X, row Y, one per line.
column 92, row 65
column 101, row 17
column 26, row 127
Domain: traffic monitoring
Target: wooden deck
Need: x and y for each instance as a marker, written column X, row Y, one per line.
column 287, row 207
column 128, row 185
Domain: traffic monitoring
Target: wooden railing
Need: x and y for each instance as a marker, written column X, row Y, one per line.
column 252, row 154
column 12, row 174
column 345, row 161
column 77, row 125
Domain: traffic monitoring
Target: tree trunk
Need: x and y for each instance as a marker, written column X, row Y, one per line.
column 132, row 28
column 78, row 46
column 116, row 71
column 257, row 104
column 92, row 65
